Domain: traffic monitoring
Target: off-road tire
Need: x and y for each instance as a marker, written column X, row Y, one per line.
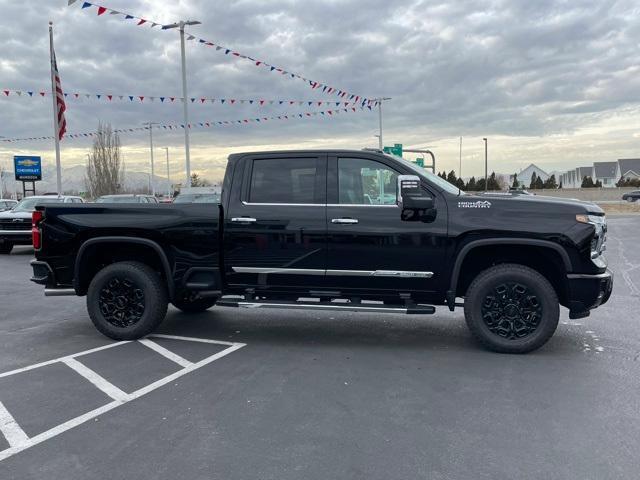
column 539, row 295
column 148, row 292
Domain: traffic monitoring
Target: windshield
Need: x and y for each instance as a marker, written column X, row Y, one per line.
column 197, row 198
column 109, row 199
column 29, row 204
column 435, row 179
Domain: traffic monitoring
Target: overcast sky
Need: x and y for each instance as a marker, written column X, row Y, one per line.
column 554, row 83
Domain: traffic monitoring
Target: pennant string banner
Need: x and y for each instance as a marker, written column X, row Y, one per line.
column 209, row 124
column 314, row 84
column 108, row 97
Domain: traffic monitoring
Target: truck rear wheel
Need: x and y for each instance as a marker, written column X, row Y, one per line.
column 127, row 300
column 511, row 308
column 5, row 248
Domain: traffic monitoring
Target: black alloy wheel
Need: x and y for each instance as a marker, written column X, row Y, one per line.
column 121, row 302
column 511, row 310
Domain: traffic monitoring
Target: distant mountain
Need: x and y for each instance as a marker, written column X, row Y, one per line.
column 73, row 181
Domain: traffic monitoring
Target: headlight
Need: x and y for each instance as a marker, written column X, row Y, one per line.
column 599, row 239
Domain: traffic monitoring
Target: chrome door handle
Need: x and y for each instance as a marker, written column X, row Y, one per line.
column 243, row 220
column 349, row 221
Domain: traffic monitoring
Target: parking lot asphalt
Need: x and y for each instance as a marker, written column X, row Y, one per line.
column 299, row 395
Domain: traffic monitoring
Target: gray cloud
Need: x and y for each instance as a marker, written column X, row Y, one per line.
column 509, row 68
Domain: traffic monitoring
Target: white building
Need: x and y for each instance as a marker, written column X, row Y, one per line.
column 628, row 168
column 605, row 172
column 524, row 176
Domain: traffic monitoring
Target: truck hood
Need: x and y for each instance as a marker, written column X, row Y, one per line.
column 539, row 202
column 12, row 214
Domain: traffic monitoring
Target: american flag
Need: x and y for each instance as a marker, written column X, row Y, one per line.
column 60, row 105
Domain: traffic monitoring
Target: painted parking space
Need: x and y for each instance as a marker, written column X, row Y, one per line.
column 90, row 383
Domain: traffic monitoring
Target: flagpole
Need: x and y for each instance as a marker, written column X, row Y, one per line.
column 55, row 112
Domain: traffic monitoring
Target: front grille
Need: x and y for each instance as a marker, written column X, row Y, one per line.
column 16, row 226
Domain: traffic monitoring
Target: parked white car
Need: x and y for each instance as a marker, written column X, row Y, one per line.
column 15, row 224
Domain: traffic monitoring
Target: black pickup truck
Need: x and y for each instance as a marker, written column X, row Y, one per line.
column 337, row 229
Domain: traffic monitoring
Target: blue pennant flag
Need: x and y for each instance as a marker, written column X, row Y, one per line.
column 162, row 100
column 86, row 5
column 131, row 98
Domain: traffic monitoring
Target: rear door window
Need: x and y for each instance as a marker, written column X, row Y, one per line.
column 285, row 181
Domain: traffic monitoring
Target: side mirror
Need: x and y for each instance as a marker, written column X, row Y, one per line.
column 416, row 205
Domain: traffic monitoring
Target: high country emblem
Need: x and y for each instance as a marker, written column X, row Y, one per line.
column 476, row 204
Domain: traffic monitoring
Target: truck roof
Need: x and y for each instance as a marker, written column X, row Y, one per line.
column 234, row 156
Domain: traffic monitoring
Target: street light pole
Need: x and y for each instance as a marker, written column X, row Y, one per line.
column 486, row 178
column 380, row 100
column 168, row 176
column 185, row 102
column 153, row 186
column 460, row 170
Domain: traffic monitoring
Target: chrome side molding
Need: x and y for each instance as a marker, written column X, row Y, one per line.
column 341, row 273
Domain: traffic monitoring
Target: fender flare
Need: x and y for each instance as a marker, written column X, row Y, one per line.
column 139, row 241
column 455, row 273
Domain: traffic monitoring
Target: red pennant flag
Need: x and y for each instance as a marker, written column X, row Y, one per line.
column 6, row 92
column 109, row 97
column 76, row 95
column 258, row 63
column 202, row 100
column 261, row 102
column 142, row 21
column 101, row 10
column 330, row 112
column 236, row 54
column 42, row 94
column 233, row 101
column 172, row 98
column 141, row 98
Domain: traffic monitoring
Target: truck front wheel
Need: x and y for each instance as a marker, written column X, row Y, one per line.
column 511, row 308
column 127, row 300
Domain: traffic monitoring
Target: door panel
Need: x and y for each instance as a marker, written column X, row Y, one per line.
column 276, row 229
column 370, row 249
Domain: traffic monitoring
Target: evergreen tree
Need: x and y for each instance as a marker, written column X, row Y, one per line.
column 516, row 183
column 560, row 186
column 480, row 185
column 539, row 183
column 460, row 184
column 451, row 177
column 534, row 177
column 493, row 182
column 587, row 182
column 550, row 183
column 471, row 185
column 598, row 184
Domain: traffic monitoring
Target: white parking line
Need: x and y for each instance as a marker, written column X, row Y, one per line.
column 19, row 441
column 184, row 363
column 10, row 429
column 100, row 382
column 51, row 362
column 193, row 339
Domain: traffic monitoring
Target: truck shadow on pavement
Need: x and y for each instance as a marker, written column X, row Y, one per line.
column 441, row 332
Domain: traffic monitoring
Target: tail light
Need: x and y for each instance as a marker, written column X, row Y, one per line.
column 36, row 233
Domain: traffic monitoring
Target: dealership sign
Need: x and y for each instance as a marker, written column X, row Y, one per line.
column 28, row 168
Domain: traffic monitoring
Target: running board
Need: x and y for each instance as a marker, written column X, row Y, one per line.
column 347, row 307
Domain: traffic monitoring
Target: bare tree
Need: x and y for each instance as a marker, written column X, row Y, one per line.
column 103, row 166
